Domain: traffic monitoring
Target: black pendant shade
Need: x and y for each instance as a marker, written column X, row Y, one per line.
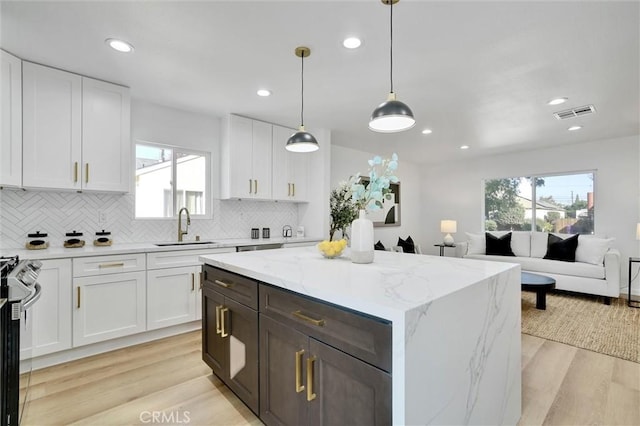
column 302, row 141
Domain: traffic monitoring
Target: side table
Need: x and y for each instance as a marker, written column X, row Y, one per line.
column 632, row 303
column 442, row 246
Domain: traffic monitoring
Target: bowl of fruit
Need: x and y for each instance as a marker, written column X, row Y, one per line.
column 331, row 249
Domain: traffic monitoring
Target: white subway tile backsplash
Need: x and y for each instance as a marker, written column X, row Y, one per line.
column 23, row 212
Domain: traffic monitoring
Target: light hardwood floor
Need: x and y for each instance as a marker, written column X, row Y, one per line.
column 561, row 385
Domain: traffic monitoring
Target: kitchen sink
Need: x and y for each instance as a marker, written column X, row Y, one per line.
column 183, row 243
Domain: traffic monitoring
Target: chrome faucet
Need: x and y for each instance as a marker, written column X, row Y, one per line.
column 180, row 231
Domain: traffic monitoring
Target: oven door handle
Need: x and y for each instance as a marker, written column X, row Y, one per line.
column 33, row 299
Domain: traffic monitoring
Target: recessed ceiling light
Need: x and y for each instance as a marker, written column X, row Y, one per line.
column 119, row 45
column 464, row 147
column 427, row 131
column 573, row 128
column 351, row 42
column 264, row 92
column 557, row 101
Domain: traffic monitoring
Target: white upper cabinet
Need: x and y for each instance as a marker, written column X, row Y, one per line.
column 106, row 129
column 289, row 168
column 76, row 132
column 246, row 158
column 52, row 128
column 11, row 120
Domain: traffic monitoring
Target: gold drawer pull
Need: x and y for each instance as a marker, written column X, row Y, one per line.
column 223, row 327
column 299, row 385
column 293, row 192
column 289, row 191
column 86, row 173
column 310, row 394
column 300, row 315
column 75, row 172
column 78, row 297
column 111, row 265
column 223, row 284
column 250, row 187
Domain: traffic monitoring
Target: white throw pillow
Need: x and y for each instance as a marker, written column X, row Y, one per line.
column 592, row 250
column 539, row 244
column 477, row 244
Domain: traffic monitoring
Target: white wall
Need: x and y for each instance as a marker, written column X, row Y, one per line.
column 346, row 162
column 455, row 190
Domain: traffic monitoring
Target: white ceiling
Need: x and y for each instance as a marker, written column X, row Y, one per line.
column 477, row 73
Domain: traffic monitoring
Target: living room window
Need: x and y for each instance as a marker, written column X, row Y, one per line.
column 169, row 178
column 562, row 203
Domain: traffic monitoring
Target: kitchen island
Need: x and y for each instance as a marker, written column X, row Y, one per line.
column 455, row 340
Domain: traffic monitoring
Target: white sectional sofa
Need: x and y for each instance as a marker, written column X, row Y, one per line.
column 596, row 269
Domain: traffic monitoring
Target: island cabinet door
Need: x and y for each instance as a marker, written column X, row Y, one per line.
column 345, row 390
column 213, row 344
column 283, row 352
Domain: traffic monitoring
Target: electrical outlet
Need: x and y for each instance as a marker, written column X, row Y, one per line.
column 102, row 217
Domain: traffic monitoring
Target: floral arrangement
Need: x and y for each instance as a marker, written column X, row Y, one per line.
column 349, row 197
column 369, row 195
column 343, row 211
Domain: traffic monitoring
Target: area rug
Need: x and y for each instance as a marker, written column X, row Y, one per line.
column 585, row 322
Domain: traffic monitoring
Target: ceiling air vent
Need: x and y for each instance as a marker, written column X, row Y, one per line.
column 574, row 112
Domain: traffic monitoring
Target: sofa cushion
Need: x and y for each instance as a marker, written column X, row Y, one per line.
column 378, row 246
column 564, row 249
column 542, row 266
column 520, row 244
column 500, row 246
column 407, row 245
column 539, row 244
column 592, row 249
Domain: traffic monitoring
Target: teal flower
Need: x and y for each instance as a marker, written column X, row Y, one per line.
column 369, row 195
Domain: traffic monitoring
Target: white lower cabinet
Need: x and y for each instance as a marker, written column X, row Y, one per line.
column 48, row 324
column 108, row 306
column 172, row 296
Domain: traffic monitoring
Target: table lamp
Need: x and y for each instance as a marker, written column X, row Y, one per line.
column 448, row 227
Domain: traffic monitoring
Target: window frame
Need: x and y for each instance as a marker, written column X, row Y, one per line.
column 208, row 204
column 532, row 177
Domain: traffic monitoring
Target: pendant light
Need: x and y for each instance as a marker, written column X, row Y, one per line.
column 302, row 141
column 391, row 116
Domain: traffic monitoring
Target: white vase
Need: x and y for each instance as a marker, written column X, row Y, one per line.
column 362, row 239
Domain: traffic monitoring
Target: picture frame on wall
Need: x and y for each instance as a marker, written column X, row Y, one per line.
column 389, row 215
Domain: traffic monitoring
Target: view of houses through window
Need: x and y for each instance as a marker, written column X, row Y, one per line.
column 562, row 203
column 168, row 179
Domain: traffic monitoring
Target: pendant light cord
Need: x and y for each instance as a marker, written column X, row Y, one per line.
column 302, row 92
column 391, row 47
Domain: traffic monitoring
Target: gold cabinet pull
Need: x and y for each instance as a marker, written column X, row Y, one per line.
column 111, row 265
column 293, row 189
column 75, row 172
column 223, row 326
column 250, row 186
column 299, row 385
column 218, row 329
column 193, row 282
column 223, row 284
column 300, row 315
column 310, row 394
column 289, row 190
column 256, row 186
column 78, row 294
column 86, row 173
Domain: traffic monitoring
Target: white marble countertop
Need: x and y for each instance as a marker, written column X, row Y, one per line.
column 90, row 250
column 394, row 284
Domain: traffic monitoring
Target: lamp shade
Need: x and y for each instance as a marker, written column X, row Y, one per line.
column 391, row 116
column 638, row 232
column 302, row 141
column 448, row 226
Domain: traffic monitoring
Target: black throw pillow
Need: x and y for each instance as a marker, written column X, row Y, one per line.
column 498, row 246
column 378, row 246
column 559, row 249
column 407, row 245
